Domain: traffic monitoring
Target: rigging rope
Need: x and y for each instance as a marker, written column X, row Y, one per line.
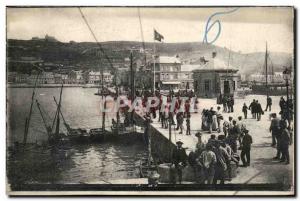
column 142, row 35
column 97, row 42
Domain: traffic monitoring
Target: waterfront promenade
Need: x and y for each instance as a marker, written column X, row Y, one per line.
column 263, row 168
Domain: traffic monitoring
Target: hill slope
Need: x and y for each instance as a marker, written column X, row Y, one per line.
column 86, row 54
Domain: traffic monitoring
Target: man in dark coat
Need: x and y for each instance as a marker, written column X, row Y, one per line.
column 233, row 136
column 282, row 103
column 259, row 110
column 246, row 147
column 179, row 159
column 252, row 107
column 231, row 103
column 245, row 110
column 224, row 101
column 279, row 134
column 210, row 119
column 284, row 143
column 269, row 103
column 274, row 128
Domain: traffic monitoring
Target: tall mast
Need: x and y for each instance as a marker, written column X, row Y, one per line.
column 170, row 135
column 48, row 128
column 103, row 99
column 154, row 56
column 27, row 122
column 266, row 63
column 66, row 125
column 272, row 71
column 58, row 110
column 117, row 99
column 132, row 84
column 118, row 114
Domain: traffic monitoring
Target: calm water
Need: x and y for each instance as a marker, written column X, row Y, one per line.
column 77, row 164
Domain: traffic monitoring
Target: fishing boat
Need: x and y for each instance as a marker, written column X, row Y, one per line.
column 104, row 92
column 98, row 134
column 78, row 135
column 268, row 87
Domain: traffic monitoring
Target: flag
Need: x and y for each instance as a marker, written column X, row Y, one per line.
column 158, row 36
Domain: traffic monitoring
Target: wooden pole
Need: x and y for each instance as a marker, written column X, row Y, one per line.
column 27, row 121
column 170, row 136
column 48, row 129
column 266, row 62
column 103, row 99
column 154, row 60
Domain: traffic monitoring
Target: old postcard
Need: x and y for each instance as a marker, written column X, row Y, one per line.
column 174, row 101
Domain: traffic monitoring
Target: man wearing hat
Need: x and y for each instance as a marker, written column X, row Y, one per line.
column 274, row 128
column 200, row 146
column 207, row 161
column 179, row 158
column 246, row 147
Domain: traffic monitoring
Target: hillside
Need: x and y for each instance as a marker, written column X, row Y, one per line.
column 86, row 54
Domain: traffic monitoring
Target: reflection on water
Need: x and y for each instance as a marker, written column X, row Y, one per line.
column 95, row 163
column 80, row 107
column 76, row 164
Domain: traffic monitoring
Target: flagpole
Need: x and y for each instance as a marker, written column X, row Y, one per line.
column 154, row 64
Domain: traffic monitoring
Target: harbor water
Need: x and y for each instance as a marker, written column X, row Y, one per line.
column 85, row 163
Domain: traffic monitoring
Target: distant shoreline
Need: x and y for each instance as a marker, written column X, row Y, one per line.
column 50, row 86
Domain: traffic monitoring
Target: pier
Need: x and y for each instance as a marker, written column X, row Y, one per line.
column 263, row 168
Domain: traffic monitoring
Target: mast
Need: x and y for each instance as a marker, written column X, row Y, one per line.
column 118, row 114
column 266, row 63
column 154, row 65
column 27, row 121
column 103, row 99
column 170, row 134
column 66, row 125
column 272, row 71
column 58, row 110
column 132, row 84
column 117, row 99
column 48, row 128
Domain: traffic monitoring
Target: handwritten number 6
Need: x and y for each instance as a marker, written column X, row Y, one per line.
column 208, row 26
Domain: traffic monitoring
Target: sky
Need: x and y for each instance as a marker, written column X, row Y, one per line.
column 247, row 29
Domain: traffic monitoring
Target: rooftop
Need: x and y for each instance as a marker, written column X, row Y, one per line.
column 167, row 60
column 190, row 67
column 215, row 64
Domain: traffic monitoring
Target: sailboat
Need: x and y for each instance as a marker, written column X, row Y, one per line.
column 100, row 134
column 75, row 135
column 57, row 137
column 128, row 127
column 267, row 87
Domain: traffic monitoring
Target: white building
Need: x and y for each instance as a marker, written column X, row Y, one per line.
column 42, row 78
column 167, row 70
column 96, row 77
column 21, row 78
column 276, row 78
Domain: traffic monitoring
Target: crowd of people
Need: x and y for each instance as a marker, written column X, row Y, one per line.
column 213, row 161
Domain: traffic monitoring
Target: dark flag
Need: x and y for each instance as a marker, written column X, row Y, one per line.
column 158, row 36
